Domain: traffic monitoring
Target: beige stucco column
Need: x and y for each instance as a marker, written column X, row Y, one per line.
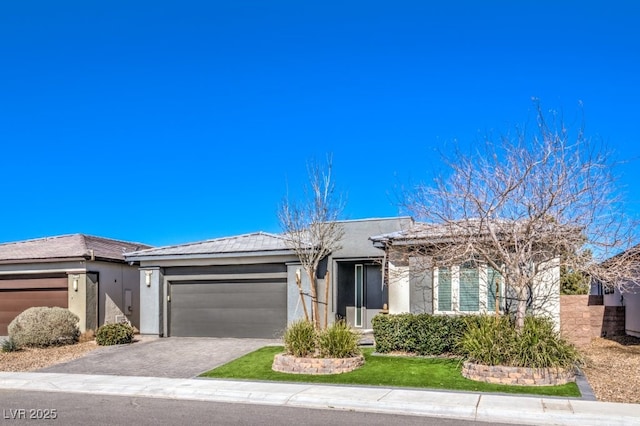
column 83, row 299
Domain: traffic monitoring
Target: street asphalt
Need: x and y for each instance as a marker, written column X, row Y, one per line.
column 166, row 368
column 449, row 405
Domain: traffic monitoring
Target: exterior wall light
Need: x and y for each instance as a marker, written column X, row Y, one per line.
column 147, row 278
column 75, row 282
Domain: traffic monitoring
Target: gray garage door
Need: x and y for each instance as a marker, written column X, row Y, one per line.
column 221, row 309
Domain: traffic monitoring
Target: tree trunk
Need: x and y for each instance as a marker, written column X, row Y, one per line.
column 304, row 303
column 315, row 315
column 522, row 307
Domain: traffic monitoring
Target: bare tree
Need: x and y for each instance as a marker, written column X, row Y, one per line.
column 313, row 232
column 537, row 200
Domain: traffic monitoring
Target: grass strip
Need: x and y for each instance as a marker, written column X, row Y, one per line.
column 410, row 372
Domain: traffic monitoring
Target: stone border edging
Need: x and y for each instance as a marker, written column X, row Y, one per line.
column 284, row 363
column 519, row 376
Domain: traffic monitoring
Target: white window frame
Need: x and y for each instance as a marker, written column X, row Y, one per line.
column 455, row 291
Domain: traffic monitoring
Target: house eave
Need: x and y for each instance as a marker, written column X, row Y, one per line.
column 226, row 255
column 42, row 260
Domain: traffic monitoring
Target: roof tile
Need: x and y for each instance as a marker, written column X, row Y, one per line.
column 258, row 241
column 67, row 246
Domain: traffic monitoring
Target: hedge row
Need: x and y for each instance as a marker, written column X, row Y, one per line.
column 422, row 334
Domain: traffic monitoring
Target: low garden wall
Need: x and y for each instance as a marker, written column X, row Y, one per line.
column 290, row 364
column 517, row 375
column 583, row 317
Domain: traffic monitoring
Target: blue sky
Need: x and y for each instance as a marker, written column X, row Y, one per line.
column 167, row 122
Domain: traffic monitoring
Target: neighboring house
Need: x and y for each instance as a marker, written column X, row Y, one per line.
column 86, row 274
column 629, row 296
column 417, row 284
column 244, row 286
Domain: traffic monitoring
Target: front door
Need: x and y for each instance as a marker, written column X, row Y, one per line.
column 361, row 294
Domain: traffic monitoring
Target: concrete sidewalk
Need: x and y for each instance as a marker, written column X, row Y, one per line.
column 465, row 406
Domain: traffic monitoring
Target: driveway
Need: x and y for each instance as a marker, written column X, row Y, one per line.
column 178, row 357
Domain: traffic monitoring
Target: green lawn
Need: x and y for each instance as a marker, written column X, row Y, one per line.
column 433, row 373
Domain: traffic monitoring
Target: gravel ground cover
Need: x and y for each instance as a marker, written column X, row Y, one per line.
column 613, row 369
column 30, row 359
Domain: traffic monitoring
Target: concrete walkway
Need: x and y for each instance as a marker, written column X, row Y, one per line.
column 177, row 357
column 465, row 406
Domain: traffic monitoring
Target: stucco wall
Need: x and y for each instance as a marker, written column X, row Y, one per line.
column 614, row 298
column 399, row 289
column 421, row 280
column 114, row 280
column 77, row 299
column 150, row 300
column 69, row 266
column 356, row 241
column 546, row 292
column 632, row 313
column 295, row 310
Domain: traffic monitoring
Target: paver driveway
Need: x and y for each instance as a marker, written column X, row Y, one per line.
column 179, row 357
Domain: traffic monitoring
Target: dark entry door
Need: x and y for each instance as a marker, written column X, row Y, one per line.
column 361, row 294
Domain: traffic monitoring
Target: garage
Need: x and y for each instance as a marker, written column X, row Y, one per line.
column 226, row 287
column 20, row 293
column 241, row 308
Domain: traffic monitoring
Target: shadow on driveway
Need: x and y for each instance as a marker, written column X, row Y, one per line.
column 177, row 357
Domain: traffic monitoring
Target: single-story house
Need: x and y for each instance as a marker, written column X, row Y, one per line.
column 86, row 274
column 418, row 284
column 244, row 286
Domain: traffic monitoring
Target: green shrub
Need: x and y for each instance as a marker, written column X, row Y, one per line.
column 338, row 341
column 114, row 334
column 42, row 327
column 488, row 340
column 538, row 345
column 300, row 339
column 10, row 345
column 495, row 341
column 422, row 334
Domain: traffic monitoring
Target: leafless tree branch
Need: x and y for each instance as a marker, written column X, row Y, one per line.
column 525, row 200
column 312, row 228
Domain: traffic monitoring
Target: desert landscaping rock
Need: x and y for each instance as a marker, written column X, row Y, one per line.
column 613, row 368
column 30, row 359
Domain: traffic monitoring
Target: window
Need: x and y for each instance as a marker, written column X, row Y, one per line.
column 466, row 288
column 444, row 289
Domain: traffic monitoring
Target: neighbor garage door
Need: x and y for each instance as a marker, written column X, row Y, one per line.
column 17, row 295
column 228, row 309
